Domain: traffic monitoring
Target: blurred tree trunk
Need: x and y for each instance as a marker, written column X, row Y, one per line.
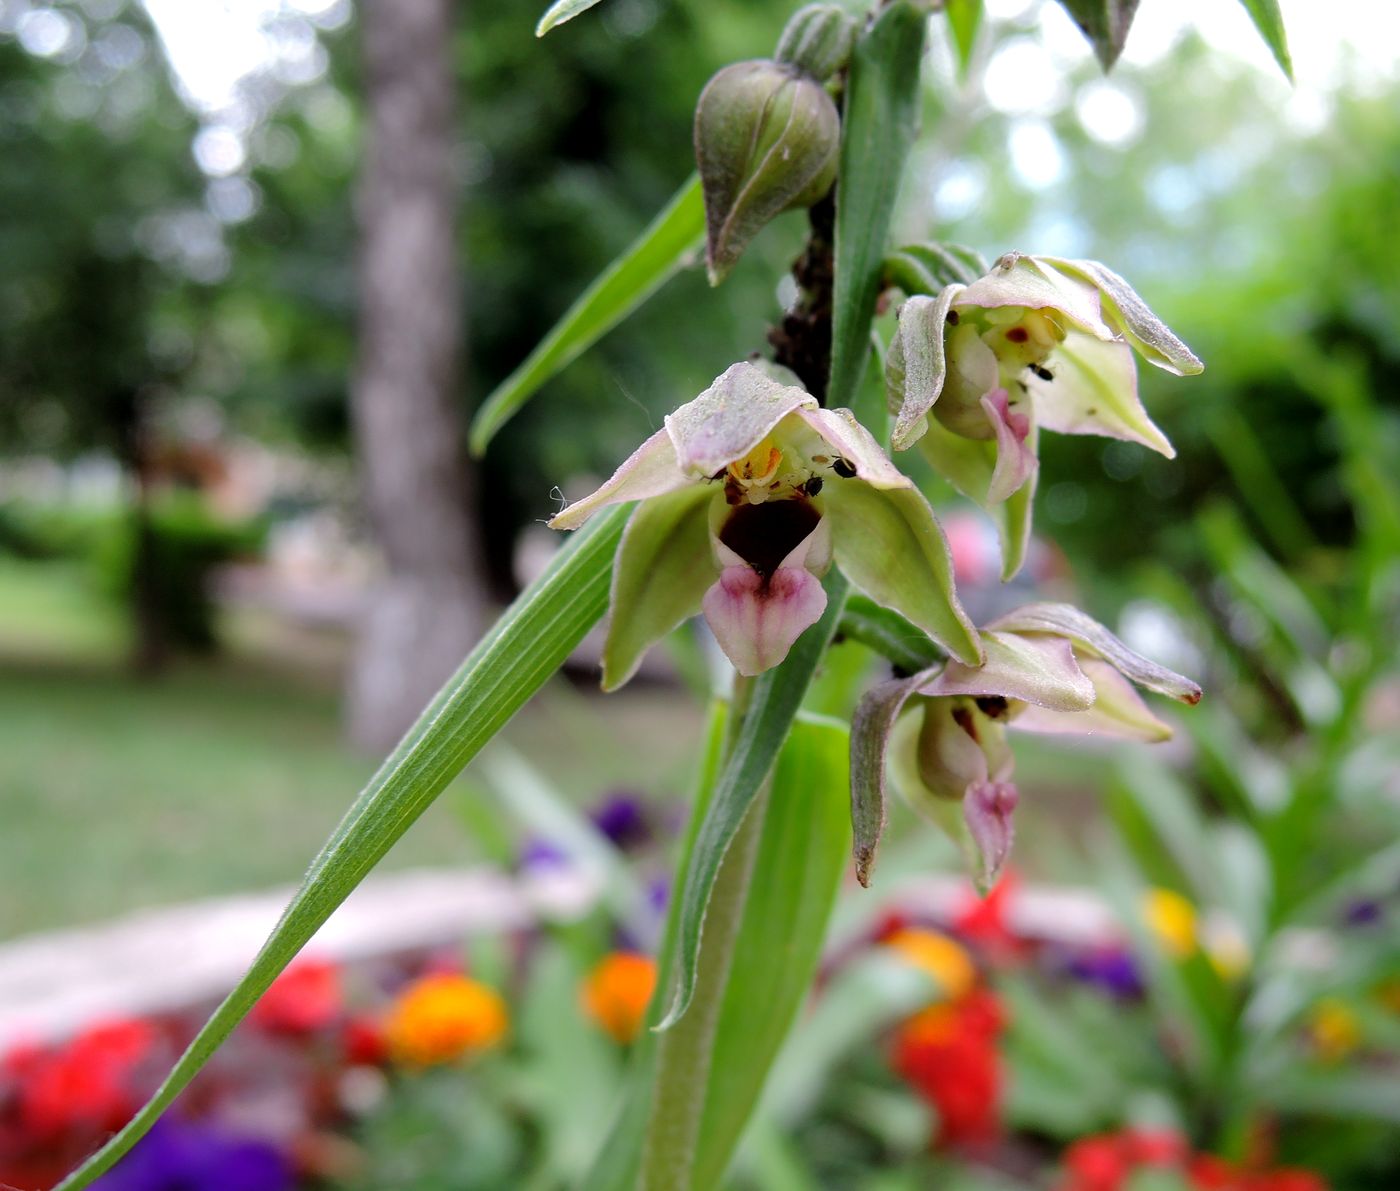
column 429, row 608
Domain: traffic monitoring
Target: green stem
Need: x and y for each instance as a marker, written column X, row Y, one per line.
column 683, row 1051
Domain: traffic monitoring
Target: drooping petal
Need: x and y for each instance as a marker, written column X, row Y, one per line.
column 664, row 565
column 1089, row 636
column 1037, row 669
column 871, row 726
column 756, row 622
column 1118, row 711
column 1093, row 390
column 889, row 545
column 856, row 445
column 969, row 465
column 650, row 470
column 915, row 364
column 1020, row 280
column 973, row 372
column 988, row 810
column 1143, row 329
column 1015, row 461
column 730, row 418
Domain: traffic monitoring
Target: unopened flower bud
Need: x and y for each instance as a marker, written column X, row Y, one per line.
column 818, row 40
column 766, row 141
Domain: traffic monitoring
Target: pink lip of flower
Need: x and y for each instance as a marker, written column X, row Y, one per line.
column 1049, row 668
column 747, row 496
column 974, row 371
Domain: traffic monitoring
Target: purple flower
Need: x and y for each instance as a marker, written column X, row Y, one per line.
column 541, row 854
column 182, row 1156
column 1363, row 912
column 1111, row 969
column 623, row 819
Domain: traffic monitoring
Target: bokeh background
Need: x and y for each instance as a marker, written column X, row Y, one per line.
column 188, row 556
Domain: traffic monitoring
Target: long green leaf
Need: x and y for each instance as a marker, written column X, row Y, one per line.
column 777, row 695
column 630, row 280
column 878, row 129
column 1269, row 21
column 559, row 12
column 806, row 834
column 1105, row 23
column 528, row 644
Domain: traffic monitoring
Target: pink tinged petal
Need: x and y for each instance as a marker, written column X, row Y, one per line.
column 988, row 810
column 969, row 466
column 889, row 545
column 1019, row 280
column 756, row 621
column 1123, row 308
column 949, row 758
column 650, row 470
column 1118, row 712
column 915, row 365
column 856, row 445
column 1093, row 390
column 1036, row 669
column 730, row 418
column 664, row 565
column 1016, row 462
column 1090, row 637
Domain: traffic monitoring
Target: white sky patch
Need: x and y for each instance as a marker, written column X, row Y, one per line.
column 1036, row 156
column 1109, row 112
column 957, row 189
column 1023, row 78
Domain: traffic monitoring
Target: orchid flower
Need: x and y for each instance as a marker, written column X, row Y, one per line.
column 1049, row 668
column 747, row 494
column 1037, row 342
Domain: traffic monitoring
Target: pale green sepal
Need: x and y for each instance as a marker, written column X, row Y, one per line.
column 916, row 365
column 651, row 470
column 1089, row 636
column 730, row 418
column 1038, row 669
column 969, row 464
column 1094, row 391
column 664, row 566
column 889, row 544
column 945, row 813
column 1143, row 329
column 1020, row 280
column 871, row 725
column 1118, row 712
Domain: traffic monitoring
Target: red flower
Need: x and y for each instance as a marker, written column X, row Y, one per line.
column 364, row 1042
column 982, row 920
column 1154, row 1147
column 305, row 998
column 1095, row 1164
column 948, row 1053
column 86, row 1085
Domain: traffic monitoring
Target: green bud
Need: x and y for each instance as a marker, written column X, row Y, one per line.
column 818, row 40
column 766, row 141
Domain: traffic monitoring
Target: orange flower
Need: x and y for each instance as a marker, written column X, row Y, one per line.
column 443, row 1017
column 947, row 962
column 617, row 991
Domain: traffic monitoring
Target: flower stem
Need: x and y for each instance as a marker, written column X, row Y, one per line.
column 683, row 1051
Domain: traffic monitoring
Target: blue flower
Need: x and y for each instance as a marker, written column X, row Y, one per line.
column 183, row 1156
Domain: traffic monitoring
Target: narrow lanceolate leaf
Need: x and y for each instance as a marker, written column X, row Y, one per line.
column 964, row 19
column 777, row 694
column 870, row 737
column 1105, row 23
column 878, row 129
column 886, row 632
column 528, row 644
column 669, row 241
column 795, row 878
column 1269, row 21
column 559, row 12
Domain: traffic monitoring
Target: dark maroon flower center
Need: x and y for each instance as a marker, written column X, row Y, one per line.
column 763, row 535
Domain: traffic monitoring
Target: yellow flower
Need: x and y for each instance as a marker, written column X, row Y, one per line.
column 443, row 1017
column 617, row 991
column 1173, row 920
column 1334, row 1029
column 936, row 954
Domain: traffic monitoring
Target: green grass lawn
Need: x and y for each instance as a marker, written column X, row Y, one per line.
column 223, row 776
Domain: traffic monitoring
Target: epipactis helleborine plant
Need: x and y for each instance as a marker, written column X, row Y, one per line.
column 1039, row 341
column 1049, row 668
column 747, row 494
